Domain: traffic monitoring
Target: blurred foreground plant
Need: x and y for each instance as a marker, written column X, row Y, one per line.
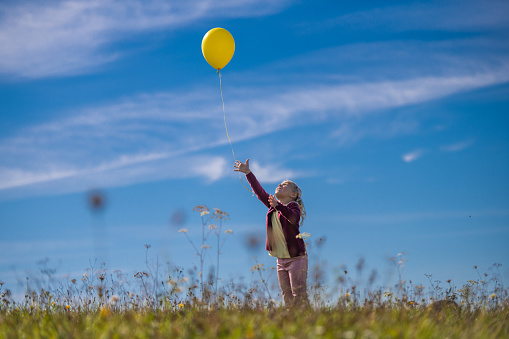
column 207, row 227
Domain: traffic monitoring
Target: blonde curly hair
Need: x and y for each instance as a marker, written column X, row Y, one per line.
column 296, row 189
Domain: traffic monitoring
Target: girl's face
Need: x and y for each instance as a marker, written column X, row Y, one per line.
column 284, row 191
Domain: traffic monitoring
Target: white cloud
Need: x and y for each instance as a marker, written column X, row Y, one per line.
column 412, row 156
column 124, row 170
column 272, row 173
column 22, row 177
column 213, row 168
column 148, row 137
column 46, row 38
column 456, row 147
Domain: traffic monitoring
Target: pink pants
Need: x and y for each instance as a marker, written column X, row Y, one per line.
column 292, row 274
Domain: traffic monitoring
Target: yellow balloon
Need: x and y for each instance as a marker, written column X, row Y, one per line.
column 218, row 47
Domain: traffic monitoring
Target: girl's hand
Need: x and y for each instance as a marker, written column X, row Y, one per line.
column 273, row 201
column 242, row 167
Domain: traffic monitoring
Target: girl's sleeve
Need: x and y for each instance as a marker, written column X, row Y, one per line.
column 258, row 189
column 290, row 212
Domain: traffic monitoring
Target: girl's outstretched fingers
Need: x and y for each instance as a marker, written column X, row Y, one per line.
column 237, row 165
column 242, row 167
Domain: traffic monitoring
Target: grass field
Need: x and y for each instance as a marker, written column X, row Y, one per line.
column 228, row 322
column 109, row 306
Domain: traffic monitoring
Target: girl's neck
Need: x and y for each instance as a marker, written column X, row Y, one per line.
column 286, row 201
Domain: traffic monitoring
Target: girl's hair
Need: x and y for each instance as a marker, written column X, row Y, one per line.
column 298, row 199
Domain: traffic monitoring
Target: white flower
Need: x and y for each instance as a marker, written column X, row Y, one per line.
column 184, row 230
column 303, row 236
column 212, row 227
column 114, row 299
column 228, row 232
column 204, row 213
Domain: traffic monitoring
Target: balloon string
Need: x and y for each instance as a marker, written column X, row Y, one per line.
column 226, row 129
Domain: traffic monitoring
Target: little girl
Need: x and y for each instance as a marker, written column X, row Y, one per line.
column 286, row 209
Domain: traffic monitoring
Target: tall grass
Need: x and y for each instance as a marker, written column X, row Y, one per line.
column 183, row 303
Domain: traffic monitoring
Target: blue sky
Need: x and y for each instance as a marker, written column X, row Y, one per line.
column 391, row 116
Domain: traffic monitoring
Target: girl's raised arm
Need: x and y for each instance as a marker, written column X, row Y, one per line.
column 262, row 195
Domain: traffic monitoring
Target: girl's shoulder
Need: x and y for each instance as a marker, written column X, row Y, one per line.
column 292, row 204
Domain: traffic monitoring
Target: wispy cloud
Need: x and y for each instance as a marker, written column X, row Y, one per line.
column 272, row 173
column 49, row 38
column 456, row 147
column 214, row 168
column 152, row 137
column 412, row 156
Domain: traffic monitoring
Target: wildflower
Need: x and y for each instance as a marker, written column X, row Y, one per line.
column 303, row 236
column 54, row 304
column 347, row 295
column 67, row 307
column 184, row 230
column 201, row 208
column 212, row 227
column 114, row 299
column 181, row 305
column 203, row 213
column 179, row 290
column 257, row 267
column 105, row 312
column 228, row 232
column 184, row 279
column 218, row 214
column 73, row 281
column 205, row 246
column 493, row 296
